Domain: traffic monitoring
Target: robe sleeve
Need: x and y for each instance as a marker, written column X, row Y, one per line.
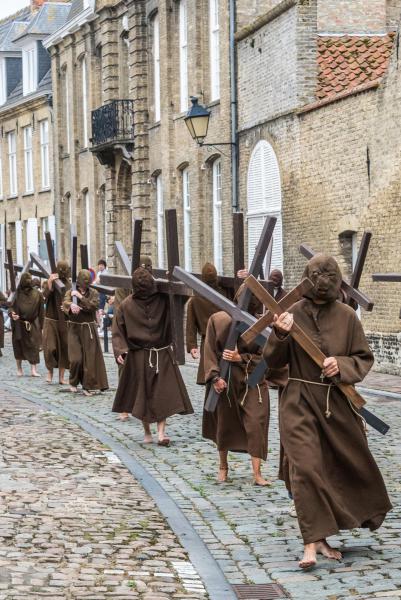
column 191, row 328
column 277, row 350
column 67, row 301
column 119, row 334
column 41, row 312
column 355, row 366
column 46, row 291
column 89, row 303
column 210, row 357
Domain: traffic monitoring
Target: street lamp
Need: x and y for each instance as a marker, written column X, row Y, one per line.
column 197, row 122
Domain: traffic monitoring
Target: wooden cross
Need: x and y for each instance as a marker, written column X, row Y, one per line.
column 314, row 352
column 354, row 296
column 130, row 266
column 46, row 271
column 233, row 334
column 74, row 260
column 11, row 272
column 387, row 278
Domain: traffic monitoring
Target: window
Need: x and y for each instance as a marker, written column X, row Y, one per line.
column 217, row 225
column 28, row 159
column 84, row 103
column 3, row 81
column 1, row 174
column 183, row 43
column 44, row 153
column 87, row 223
column 214, row 50
column 19, row 246
column 32, row 236
column 156, row 66
column 3, row 257
column 12, row 162
column 29, row 69
column 264, row 199
column 66, row 95
column 160, row 222
column 187, row 220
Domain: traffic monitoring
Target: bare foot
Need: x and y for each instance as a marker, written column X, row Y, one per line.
column 73, row 389
column 49, row 377
column 222, row 474
column 86, row 392
column 148, row 439
column 260, row 481
column 123, row 416
column 309, row 558
column 63, row 382
column 20, row 373
column 35, row 374
column 322, row 547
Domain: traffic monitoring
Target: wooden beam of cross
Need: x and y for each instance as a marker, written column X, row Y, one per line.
column 243, row 303
column 102, row 289
column 19, row 268
column 14, row 283
column 387, row 278
column 352, row 293
column 74, row 260
column 44, row 269
column 130, row 266
column 314, row 352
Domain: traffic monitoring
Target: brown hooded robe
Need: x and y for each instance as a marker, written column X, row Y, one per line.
column 151, row 386
column 27, row 330
column 55, row 334
column 334, row 478
column 3, row 303
column 199, row 310
column 240, row 422
column 84, row 351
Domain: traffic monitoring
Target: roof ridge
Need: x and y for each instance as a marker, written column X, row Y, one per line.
column 13, row 17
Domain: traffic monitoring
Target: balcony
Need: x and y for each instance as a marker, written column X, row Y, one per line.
column 113, row 130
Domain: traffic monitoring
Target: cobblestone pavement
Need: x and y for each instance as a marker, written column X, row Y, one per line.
column 73, row 521
column 248, row 529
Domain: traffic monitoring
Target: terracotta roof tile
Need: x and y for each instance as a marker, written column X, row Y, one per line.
column 347, row 62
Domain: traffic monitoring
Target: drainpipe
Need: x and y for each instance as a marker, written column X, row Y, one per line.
column 233, row 106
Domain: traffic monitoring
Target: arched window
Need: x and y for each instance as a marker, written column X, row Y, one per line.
column 217, row 217
column 160, row 222
column 183, row 47
column 264, row 199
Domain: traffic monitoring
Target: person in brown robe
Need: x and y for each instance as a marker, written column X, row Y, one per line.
column 27, row 313
column 334, row 478
column 150, row 386
column 84, row 351
column 55, row 345
column 3, row 303
column 199, row 310
column 240, row 422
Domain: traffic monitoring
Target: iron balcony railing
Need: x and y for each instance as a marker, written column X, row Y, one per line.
column 113, row 123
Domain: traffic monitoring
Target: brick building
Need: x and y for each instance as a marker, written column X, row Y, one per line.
column 320, row 140
column 26, row 196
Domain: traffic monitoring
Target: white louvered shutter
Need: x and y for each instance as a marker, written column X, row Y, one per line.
column 32, row 236
column 264, row 199
column 3, row 257
column 19, row 243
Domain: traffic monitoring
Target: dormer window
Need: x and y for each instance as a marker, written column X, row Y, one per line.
column 3, row 81
column 30, row 68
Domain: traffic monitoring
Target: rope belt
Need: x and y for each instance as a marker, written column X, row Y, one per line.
column 28, row 325
column 246, row 387
column 87, row 323
column 329, row 387
column 156, row 351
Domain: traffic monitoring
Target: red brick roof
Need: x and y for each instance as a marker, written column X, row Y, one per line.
column 348, row 62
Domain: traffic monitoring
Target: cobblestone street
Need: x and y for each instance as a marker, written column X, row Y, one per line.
column 70, row 498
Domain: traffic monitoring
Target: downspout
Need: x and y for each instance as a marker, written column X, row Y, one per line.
column 233, row 106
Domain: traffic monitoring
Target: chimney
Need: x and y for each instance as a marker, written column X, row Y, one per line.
column 35, row 5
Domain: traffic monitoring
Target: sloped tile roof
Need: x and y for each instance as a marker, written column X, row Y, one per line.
column 49, row 18
column 348, row 62
column 12, row 26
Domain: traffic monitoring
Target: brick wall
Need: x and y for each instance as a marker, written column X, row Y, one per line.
column 352, row 16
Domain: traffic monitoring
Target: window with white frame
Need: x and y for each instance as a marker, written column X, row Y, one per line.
column 44, row 153
column 160, row 222
column 186, row 199
column 1, row 174
column 29, row 69
column 264, row 199
column 183, row 44
column 66, row 94
column 217, row 218
column 28, row 162
column 87, row 223
column 84, row 74
column 12, row 162
column 214, row 41
column 156, row 66
column 3, row 81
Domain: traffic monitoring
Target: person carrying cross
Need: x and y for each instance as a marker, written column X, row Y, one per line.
column 84, row 351
column 27, row 313
column 55, row 345
column 150, row 386
column 240, row 422
column 334, row 478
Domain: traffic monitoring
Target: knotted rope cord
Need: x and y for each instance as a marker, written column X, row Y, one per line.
column 156, row 351
column 88, row 323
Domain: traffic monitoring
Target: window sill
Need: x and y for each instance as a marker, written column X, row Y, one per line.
column 65, row 155
column 213, row 103
column 26, row 194
column 180, row 116
column 154, row 126
column 13, row 197
column 83, row 150
column 44, row 190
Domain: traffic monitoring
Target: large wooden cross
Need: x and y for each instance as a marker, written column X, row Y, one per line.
column 387, row 278
column 45, row 270
column 314, row 352
column 11, row 273
column 354, row 296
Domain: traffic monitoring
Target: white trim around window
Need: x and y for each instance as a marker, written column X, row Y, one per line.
column 3, row 80
column 214, row 42
column 186, row 200
column 156, row 66
column 87, row 223
column 29, row 69
column 84, row 72
column 160, row 222
column 67, row 111
column 12, row 162
column 28, row 159
column 1, row 173
column 217, row 216
column 44, row 153
column 183, row 47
